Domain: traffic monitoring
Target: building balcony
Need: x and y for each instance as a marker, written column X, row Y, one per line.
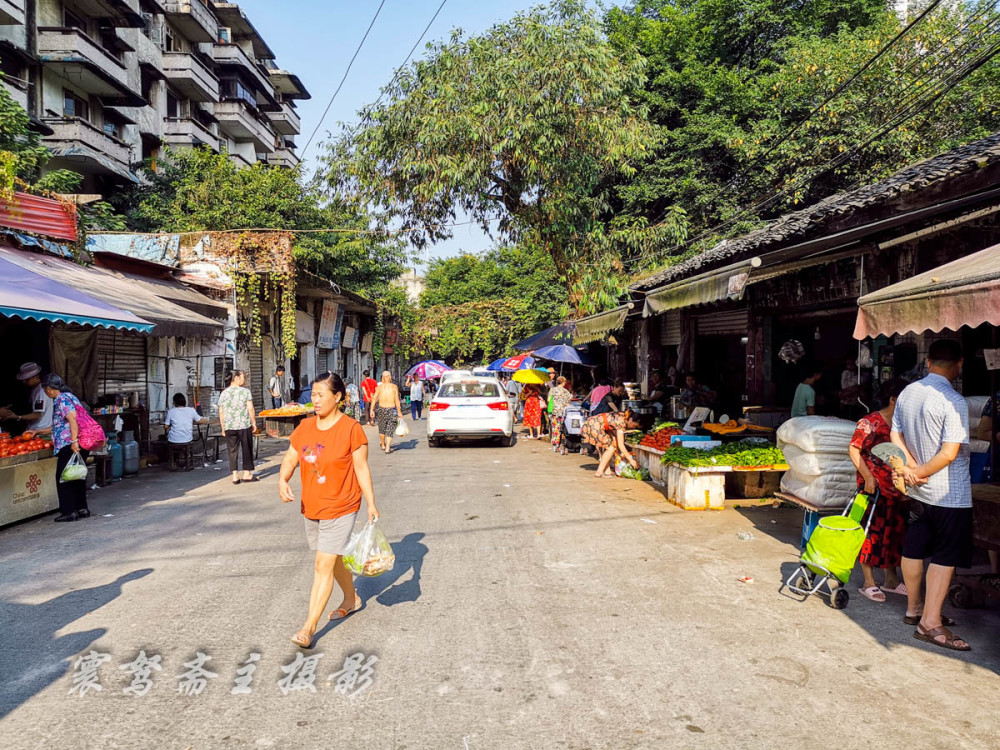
column 83, row 147
column 190, row 76
column 181, row 132
column 11, row 12
column 283, row 157
column 17, row 89
column 286, row 121
column 231, row 55
column 78, row 58
column 194, row 19
column 241, row 123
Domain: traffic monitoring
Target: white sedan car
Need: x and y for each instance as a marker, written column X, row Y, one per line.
column 470, row 407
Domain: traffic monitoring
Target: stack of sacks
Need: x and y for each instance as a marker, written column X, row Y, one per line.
column 821, row 469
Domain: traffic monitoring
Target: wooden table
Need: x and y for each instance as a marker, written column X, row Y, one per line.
column 214, row 437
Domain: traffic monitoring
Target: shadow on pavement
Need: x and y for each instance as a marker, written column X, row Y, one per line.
column 884, row 621
column 32, row 657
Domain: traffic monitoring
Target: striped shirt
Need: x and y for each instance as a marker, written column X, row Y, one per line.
column 928, row 414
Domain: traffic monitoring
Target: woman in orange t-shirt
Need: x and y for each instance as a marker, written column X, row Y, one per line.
column 333, row 452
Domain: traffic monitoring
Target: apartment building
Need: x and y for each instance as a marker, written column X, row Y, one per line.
column 110, row 82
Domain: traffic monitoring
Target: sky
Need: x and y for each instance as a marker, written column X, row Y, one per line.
column 315, row 39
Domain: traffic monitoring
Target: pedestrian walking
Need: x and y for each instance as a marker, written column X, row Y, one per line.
column 883, row 546
column 560, row 398
column 386, row 410
column 368, row 387
column 416, row 398
column 931, row 426
column 356, row 407
column 514, row 391
column 332, row 451
column 68, row 415
column 276, row 387
column 532, row 398
column 238, row 421
column 606, row 432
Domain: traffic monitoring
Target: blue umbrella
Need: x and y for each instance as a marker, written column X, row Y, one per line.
column 497, row 365
column 560, row 353
column 561, row 333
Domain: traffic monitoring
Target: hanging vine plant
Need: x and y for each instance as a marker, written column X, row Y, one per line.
column 263, row 274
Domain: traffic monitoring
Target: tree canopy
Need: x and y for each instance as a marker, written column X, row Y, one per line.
column 523, row 128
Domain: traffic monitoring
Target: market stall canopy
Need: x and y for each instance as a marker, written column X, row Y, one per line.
column 965, row 292
column 596, row 327
column 561, row 333
column 32, row 296
column 714, row 286
column 122, row 293
column 561, row 353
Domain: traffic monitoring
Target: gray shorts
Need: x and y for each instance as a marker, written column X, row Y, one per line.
column 329, row 535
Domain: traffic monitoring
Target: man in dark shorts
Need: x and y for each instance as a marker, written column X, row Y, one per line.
column 931, row 425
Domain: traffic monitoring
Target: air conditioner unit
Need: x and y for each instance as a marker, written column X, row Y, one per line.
column 225, row 35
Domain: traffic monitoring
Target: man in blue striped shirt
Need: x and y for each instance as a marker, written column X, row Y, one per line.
column 931, row 425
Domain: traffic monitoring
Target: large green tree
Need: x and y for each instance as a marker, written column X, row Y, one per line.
column 522, row 128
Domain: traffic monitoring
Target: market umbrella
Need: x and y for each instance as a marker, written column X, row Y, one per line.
column 496, row 365
column 561, row 333
column 560, row 353
column 428, row 370
column 535, row 377
column 520, row 362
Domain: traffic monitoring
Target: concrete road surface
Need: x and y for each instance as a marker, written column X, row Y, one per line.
column 532, row 606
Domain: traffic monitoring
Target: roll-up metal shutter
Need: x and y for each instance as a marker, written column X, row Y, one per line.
column 121, row 361
column 322, row 360
column 731, row 322
column 670, row 328
column 256, row 357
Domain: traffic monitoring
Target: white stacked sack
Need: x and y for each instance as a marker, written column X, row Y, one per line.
column 821, row 469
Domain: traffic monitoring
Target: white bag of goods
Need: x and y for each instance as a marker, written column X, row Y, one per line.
column 824, row 491
column 805, row 463
column 818, row 434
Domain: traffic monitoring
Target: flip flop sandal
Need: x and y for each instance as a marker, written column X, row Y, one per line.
column 915, row 620
column 343, row 612
column 302, row 641
column 900, row 589
column 950, row 639
column 873, row 593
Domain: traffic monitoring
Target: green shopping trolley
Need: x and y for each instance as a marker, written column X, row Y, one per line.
column 826, row 564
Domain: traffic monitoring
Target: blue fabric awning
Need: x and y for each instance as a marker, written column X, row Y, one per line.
column 31, row 296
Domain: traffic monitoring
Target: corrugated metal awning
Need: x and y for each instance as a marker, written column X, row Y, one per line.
column 121, row 293
column 724, row 283
column 595, row 327
column 43, row 216
column 965, row 292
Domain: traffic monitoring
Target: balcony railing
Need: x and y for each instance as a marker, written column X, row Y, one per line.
column 191, row 76
column 75, row 130
column 232, row 54
column 194, row 19
column 283, row 157
column 85, row 62
column 286, row 121
column 12, row 12
column 187, row 131
column 241, row 123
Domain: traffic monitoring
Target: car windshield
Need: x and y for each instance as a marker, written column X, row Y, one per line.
column 473, row 389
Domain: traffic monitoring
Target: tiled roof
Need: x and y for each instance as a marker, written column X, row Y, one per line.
column 811, row 222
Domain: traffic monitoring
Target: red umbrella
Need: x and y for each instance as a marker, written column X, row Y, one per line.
column 514, row 363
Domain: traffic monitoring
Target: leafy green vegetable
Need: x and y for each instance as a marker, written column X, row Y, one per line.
column 741, row 453
column 641, row 474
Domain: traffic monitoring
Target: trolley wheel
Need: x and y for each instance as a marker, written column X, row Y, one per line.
column 840, row 598
column 961, row 596
column 803, row 581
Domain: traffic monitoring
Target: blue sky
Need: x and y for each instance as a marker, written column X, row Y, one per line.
column 315, row 39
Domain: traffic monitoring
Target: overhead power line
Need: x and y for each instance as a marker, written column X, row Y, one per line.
column 341, row 84
column 412, row 50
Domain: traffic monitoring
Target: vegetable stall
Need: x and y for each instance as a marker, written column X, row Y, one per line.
column 27, row 478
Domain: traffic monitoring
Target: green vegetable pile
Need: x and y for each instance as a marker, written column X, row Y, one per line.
column 662, row 426
column 629, row 473
column 742, row 453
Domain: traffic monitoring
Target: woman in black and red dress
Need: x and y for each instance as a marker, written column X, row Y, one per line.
column 884, row 545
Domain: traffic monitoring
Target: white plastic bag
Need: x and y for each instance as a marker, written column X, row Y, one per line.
column 828, row 490
column 401, row 429
column 818, row 434
column 75, row 469
column 815, row 463
column 369, row 552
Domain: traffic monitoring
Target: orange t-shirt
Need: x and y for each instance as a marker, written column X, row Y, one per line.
column 330, row 488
